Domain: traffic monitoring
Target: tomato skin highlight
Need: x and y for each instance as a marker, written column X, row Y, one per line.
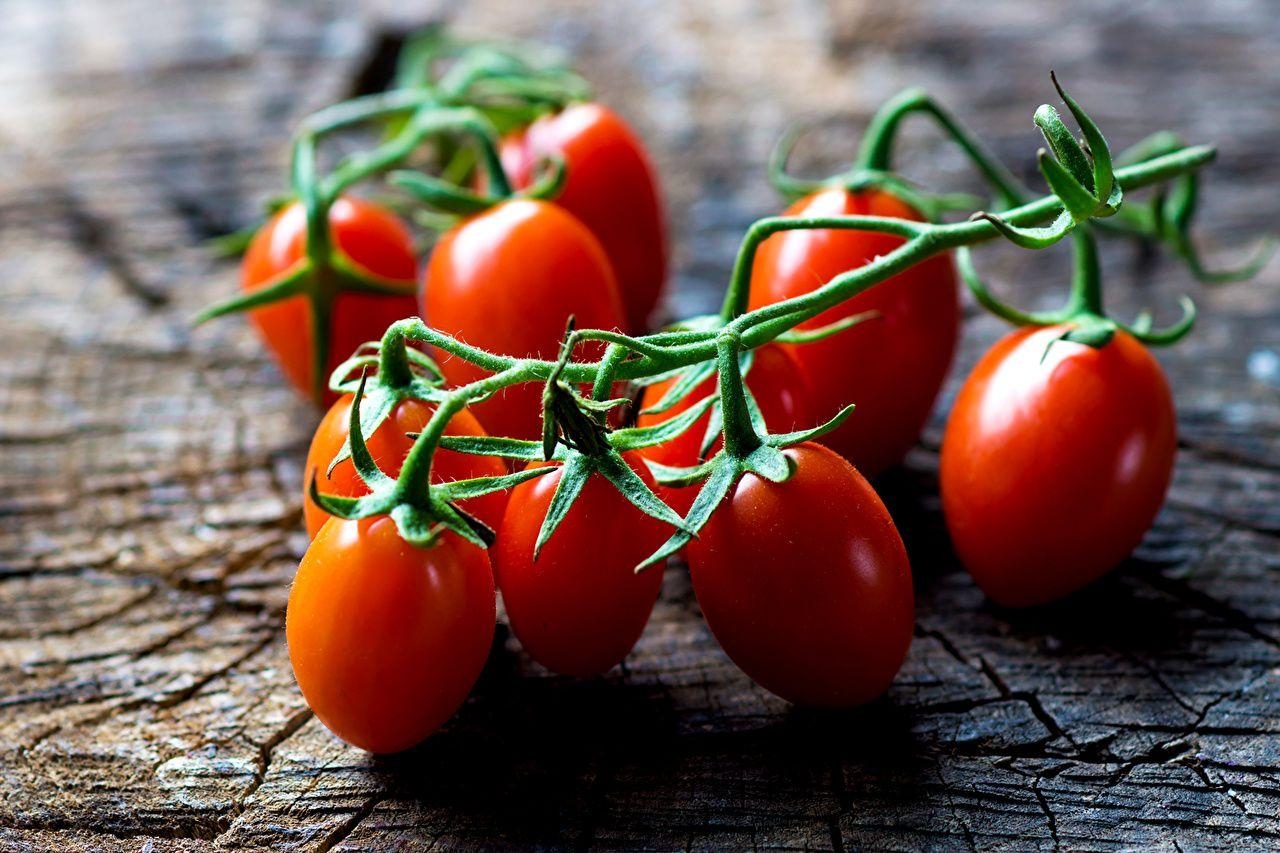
column 389, row 445
column 611, row 186
column 1052, row 472
column 806, row 583
column 387, row 640
column 507, row 280
column 374, row 240
column 779, row 390
column 580, row 607
column 891, row 366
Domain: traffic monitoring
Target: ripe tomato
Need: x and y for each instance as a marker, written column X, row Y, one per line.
column 374, row 240
column 580, row 607
column 806, row 584
column 386, row 639
column 891, row 366
column 610, row 186
column 507, row 280
column 1053, row 470
column 779, row 390
column 389, row 445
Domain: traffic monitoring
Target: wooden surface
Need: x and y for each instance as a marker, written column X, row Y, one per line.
column 149, row 476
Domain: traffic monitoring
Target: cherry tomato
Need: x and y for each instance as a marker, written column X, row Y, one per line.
column 507, row 280
column 806, row 584
column 389, row 445
column 386, row 639
column 580, row 607
column 610, row 186
column 373, row 239
column 891, row 366
column 779, row 390
column 1052, row 470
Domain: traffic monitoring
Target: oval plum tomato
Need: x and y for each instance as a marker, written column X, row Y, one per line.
column 389, row 445
column 387, row 640
column 779, row 390
column 891, row 366
column 1054, row 464
column 579, row 608
column 507, row 280
column 610, row 185
column 806, row 583
column 373, row 239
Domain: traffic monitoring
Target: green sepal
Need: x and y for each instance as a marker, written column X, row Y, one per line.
column 288, row 286
column 378, row 503
column 519, row 449
column 1077, row 200
column 1104, row 185
column 361, row 458
column 461, row 490
column 379, row 406
column 573, row 476
column 1141, row 327
column 635, row 438
column 633, row 487
column 417, row 527
column 770, row 463
column 439, row 193
column 1032, row 238
column 789, row 439
column 679, row 476
column 356, row 279
column 1094, row 334
column 724, row 473
column 808, row 336
column 1065, row 148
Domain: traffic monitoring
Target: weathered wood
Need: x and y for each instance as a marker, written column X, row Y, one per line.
column 149, row 510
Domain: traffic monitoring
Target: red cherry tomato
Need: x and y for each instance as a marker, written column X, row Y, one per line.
column 386, row 639
column 507, row 280
column 580, row 607
column 610, row 186
column 891, row 366
column 806, row 583
column 1052, row 470
column 374, row 240
column 779, row 390
column 389, row 445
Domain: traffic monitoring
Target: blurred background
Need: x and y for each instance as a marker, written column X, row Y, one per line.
column 149, row 474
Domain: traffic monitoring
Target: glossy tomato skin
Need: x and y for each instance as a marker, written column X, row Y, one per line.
column 580, row 607
column 387, row 640
column 374, row 239
column 806, row 583
column 389, row 445
column 779, row 390
column 507, row 280
column 611, row 186
column 1052, row 471
column 892, row 366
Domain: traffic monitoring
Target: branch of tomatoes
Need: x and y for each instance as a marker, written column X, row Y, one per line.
column 697, row 349
column 591, row 512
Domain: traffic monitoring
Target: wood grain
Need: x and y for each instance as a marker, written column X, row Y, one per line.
column 149, row 475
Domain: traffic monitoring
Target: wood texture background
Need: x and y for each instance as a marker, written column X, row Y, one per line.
column 149, row 475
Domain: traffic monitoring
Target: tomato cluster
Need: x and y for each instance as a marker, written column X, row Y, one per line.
column 1055, row 460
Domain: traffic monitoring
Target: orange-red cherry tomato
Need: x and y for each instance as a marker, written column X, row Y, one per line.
column 806, row 584
column 610, row 185
column 580, row 607
column 374, row 240
column 891, row 367
column 387, row 639
column 779, row 390
column 1054, row 464
column 389, row 445
column 507, row 280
